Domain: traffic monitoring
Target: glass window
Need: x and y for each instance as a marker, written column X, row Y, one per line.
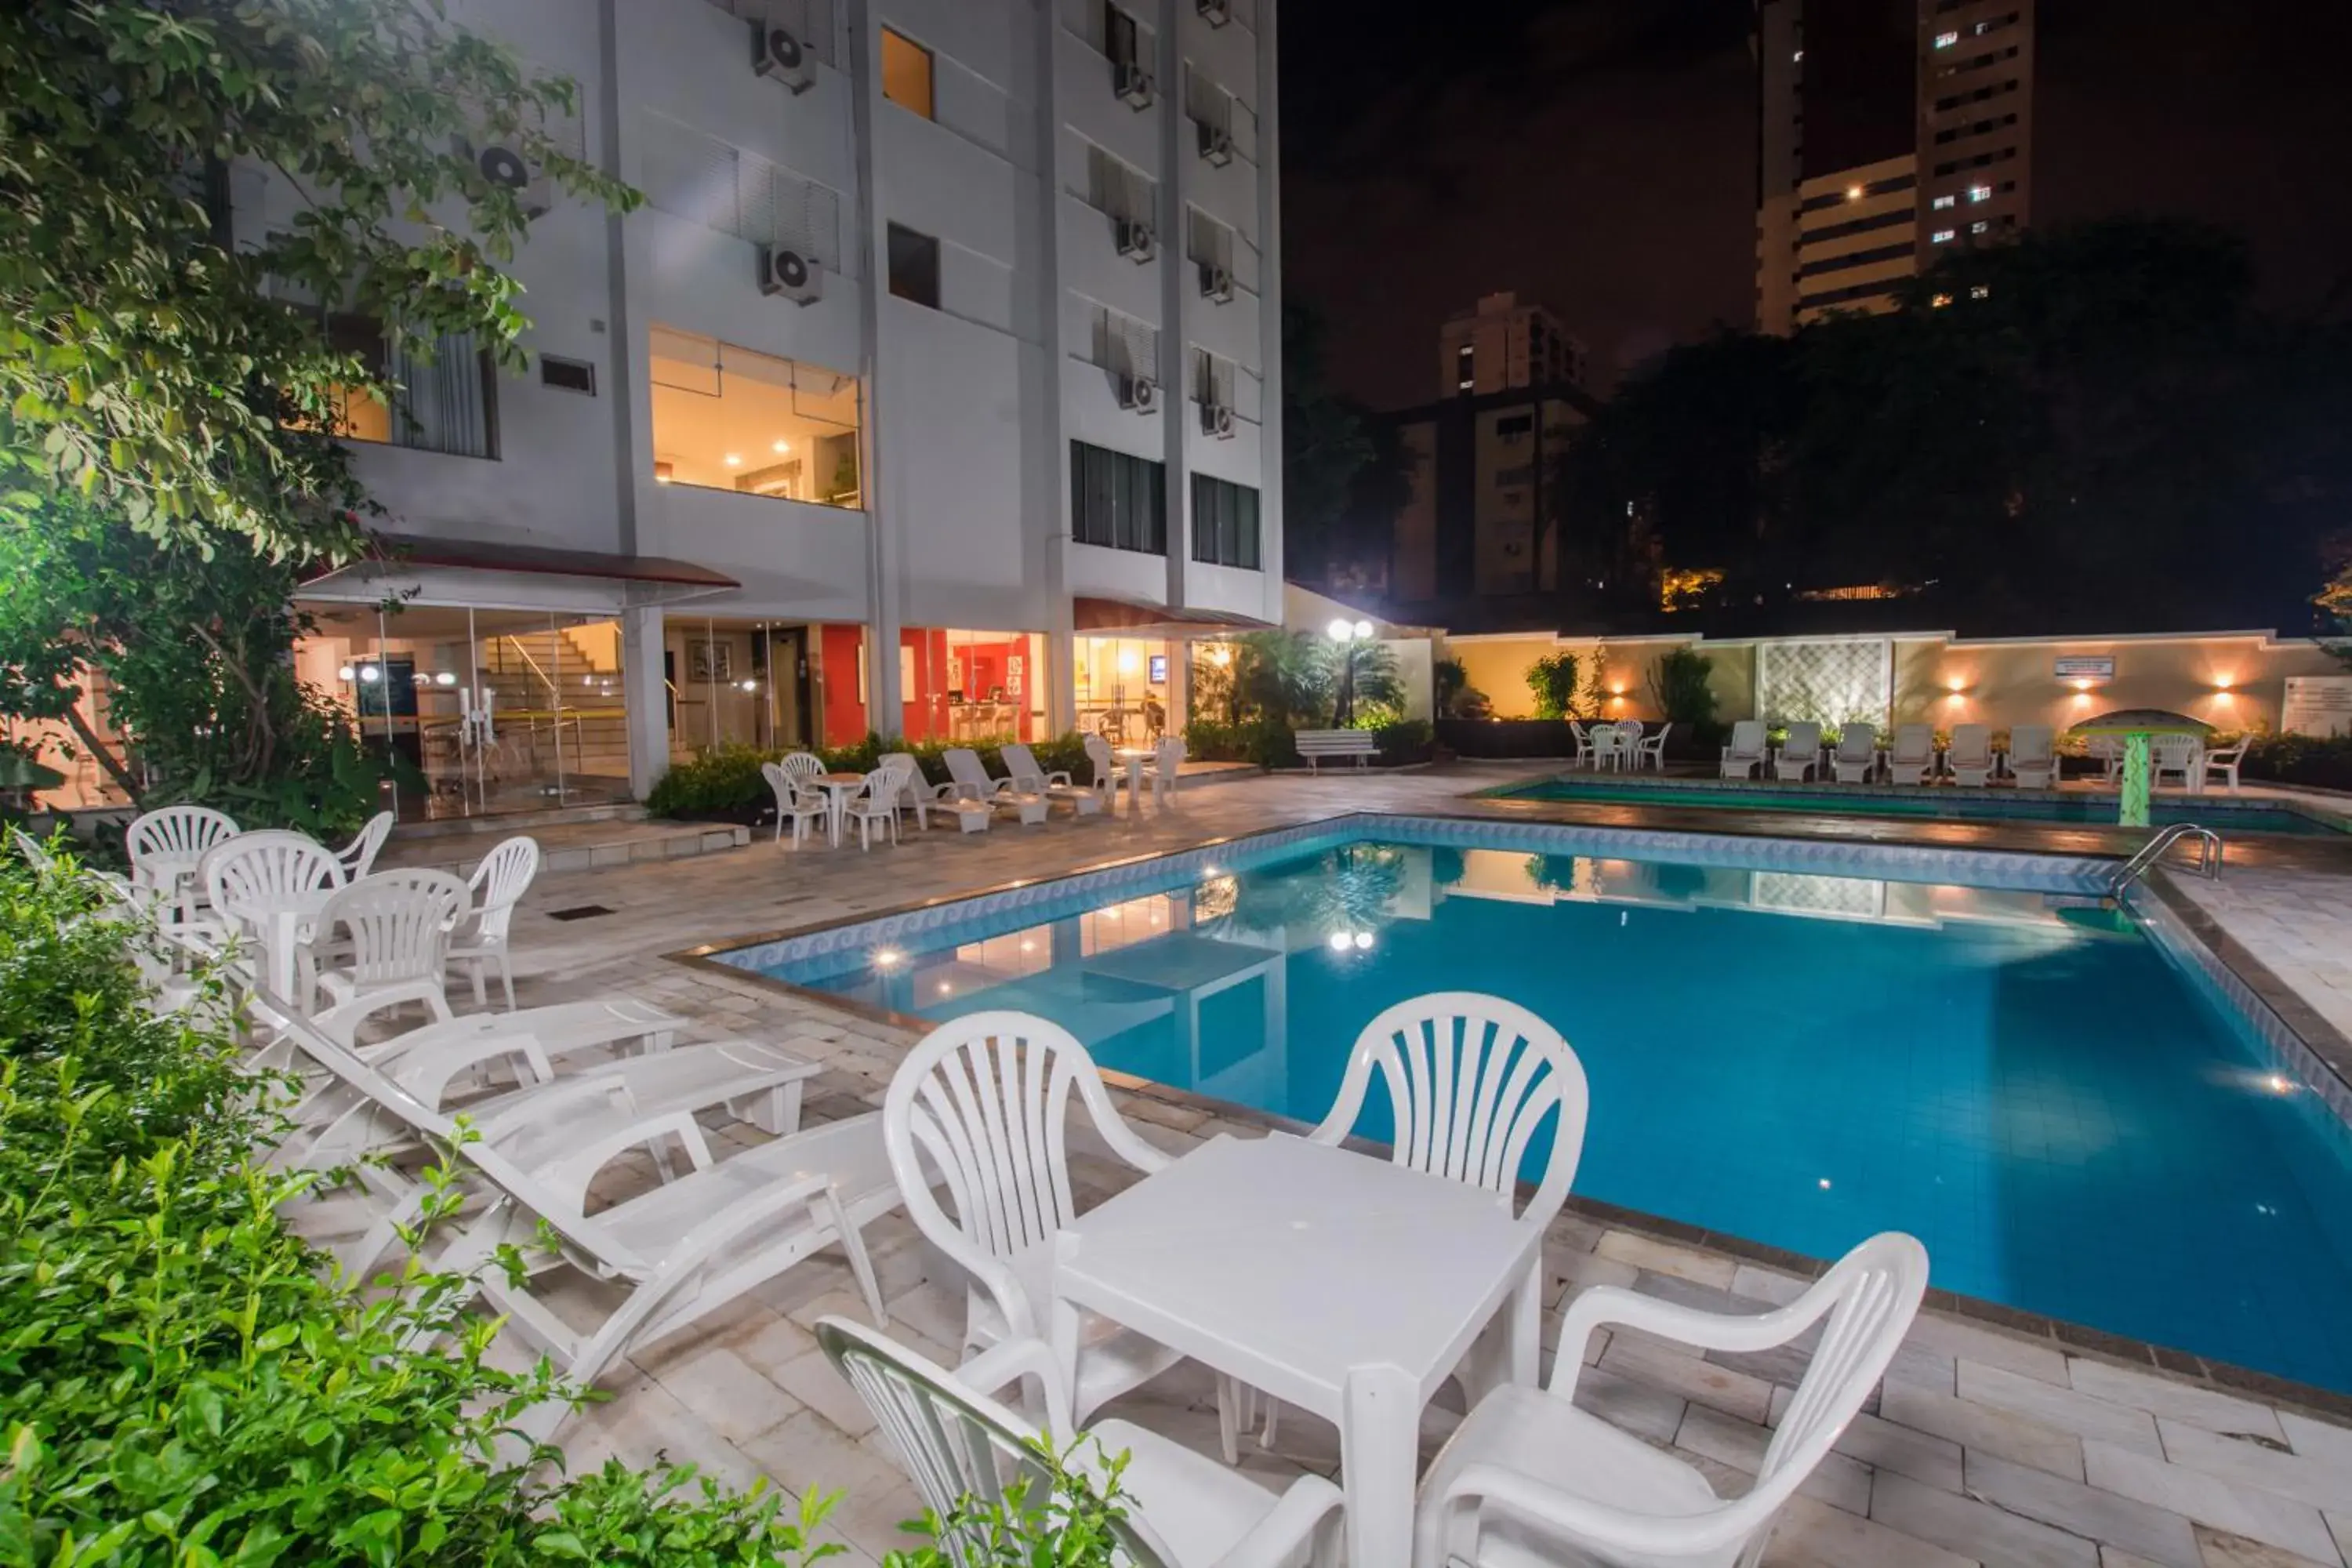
column 1224, row 523
column 732, row 419
column 968, row 687
column 1121, row 685
column 1117, row 500
column 914, row 266
column 445, row 398
column 906, row 73
column 1119, row 36
column 1464, row 360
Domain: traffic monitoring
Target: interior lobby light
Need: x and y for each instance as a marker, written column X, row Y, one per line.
column 344, row 674
column 782, row 447
column 446, row 678
column 734, row 460
column 369, row 675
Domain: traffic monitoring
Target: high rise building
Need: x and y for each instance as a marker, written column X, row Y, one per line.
column 1887, row 130
column 934, row 390
column 1502, row 345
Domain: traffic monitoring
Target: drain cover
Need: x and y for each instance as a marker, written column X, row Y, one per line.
column 579, row 912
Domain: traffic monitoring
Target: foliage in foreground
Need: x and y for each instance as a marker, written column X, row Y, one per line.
column 180, row 1384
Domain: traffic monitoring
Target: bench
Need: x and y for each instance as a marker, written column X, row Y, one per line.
column 1315, row 745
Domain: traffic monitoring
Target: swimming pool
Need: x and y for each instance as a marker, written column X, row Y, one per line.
column 1929, row 1040
column 1860, row 800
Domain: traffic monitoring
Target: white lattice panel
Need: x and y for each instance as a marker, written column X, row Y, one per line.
column 1829, row 682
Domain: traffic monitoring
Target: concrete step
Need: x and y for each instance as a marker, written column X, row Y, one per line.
column 571, row 845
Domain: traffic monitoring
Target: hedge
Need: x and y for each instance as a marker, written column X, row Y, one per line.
column 724, row 780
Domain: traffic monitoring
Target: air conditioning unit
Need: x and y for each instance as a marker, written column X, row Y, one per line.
column 1216, row 282
column 1140, row 392
column 789, row 273
column 1136, row 238
column 1216, row 144
column 502, row 165
column 1133, row 84
column 1217, row 420
column 777, row 52
column 1216, row 13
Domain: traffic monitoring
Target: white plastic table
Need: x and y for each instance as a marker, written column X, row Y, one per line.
column 1339, row 1282
column 841, row 787
column 1135, row 757
column 284, row 924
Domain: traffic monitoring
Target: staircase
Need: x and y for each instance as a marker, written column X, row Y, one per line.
column 526, row 669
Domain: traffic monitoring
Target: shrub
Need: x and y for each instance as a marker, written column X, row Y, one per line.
column 724, row 780
column 2323, row 762
column 1406, row 740
column 1457, row 698
column 1266, row 742
column 1552, row 679
column 1678, row 685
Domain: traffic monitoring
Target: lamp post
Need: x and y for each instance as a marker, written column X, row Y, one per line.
column 1349, row 635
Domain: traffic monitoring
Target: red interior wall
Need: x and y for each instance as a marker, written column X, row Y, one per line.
column 841, row 649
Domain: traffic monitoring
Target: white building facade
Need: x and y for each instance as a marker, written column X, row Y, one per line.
column 934, row 390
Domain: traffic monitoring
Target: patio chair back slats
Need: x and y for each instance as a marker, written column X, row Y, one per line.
column 265, row 866
column 989, row 1112
column 177, row 832
column 505, row 874
column 399, row 924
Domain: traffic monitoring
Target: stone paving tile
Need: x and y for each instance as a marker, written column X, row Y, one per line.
column 2080, row 1414
column 2164, row 1397
column 2155, row 1534
column 2223, row 1550
column 2244, row 1460
column 1964, row 1524
column 2208, row 1500
column 1841, row 1481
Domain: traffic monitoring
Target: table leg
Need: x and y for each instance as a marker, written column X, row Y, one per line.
column 840, row 804
column 1525, row 1367
column 1135, row 786
column 1380, row 1416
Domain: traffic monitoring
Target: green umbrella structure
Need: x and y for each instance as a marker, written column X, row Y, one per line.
column 2136, row 725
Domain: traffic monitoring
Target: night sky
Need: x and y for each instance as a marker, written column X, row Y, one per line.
column 1599, row 157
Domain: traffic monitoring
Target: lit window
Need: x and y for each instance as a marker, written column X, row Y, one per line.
column 1946, row 40
column 1979, row 193
column 1798, row 58
column 1942, row 236
column 727, row 418
column 906, row 73
column 1981, row 28
column 1941, row 203
column 1855, row 193
column 1464, row 360
column 1979, row 226
column 1940, row 300
column 1979, row 290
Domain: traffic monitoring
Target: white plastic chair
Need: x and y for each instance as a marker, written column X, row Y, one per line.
column 1857, row 756
column 1652, row 753
column 358, row 857
column 2032, row 755
column 1106, row 766
column 1166, row 765
column 877, row 805
column 1969, row 757
column 1529, row 1478
column 2225, row 763
column 1800, row 755
column 796, row 801
column 1747, row 751
column 1580, row 744
column 2107, row 750
column 984, row 1101
column 1021, row 766
column 2180, row 754
column 247, row 878
column 1470, row 1079
column 956, row 1443
column 1912, row 759
column 165, row 845
column 966, row 780
column 396, row 925
column 497, row 885
column 923, row 797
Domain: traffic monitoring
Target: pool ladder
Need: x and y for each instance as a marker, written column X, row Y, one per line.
column 2208, row 856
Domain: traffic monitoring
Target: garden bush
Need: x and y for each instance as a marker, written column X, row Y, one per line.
column 2323, row 762
column 180, row 1383
column 724, row 780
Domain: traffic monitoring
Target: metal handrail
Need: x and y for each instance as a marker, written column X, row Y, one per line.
column 2209, row 855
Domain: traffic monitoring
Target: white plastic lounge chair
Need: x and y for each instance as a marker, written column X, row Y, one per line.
column 397, row 925
column 1105, row 767
column 1747, row 749
column 1912, row 759
column 1968, row 759
column 1167, row 765
column 2225, row 763
column 1800, row 755
column 1470, row 1079
column 359, row 856
column 2107, row 750
column 877, row 805
column 687, row 1249
column 2180, row 754
column 797, row 803
column 2032, row 755
column 1021, row 765
column 497, row 885
column 36, row 853
column 1857, row 756
column 166, row 843
column 969, row 780
column 1529, row 1478
column 984, row 1101
column 923, row 797
column 1651, row 751
column 957, row 1442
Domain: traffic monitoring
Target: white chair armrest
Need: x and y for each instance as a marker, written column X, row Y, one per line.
column 1060, row 780
column 1308, row 1509
column 1495, row 1489
column 1604, row 1304
column 1009, row 1361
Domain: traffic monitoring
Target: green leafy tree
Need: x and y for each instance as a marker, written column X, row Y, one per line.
column 1552, row 681
column 1681, row 686
column 148, row 359
column 1344, row 476
column 1455, row 696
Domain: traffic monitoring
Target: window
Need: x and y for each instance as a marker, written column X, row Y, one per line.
column 1979, row 193
column 444, row 397
column 1979, row 226
column 1979, row 290
column 914, row 266
column 727, row 418
column 1121, row 39
column 1941, row 203
column 1224, row 523
column 1465, row 363
column 1943, row 236
column 1117, row 500
column 1946, row 40
column 906, row 73
column 1516, row 427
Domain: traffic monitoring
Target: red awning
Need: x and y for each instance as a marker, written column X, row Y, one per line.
column 1135, row 618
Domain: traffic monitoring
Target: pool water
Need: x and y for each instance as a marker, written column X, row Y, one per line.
column 1964, row 805
column 2041, row 1097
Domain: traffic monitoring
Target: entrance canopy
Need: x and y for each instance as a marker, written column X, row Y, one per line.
column 1136, row 618
column 518, row 576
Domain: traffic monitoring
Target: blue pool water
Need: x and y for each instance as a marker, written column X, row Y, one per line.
column 1964, row 805
column 2068, row 1124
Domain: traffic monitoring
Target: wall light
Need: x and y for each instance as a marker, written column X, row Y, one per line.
column 369, row 675
column 1220, row 654
column 446, row 678
column 1853, row 193
column 1956, row 684
column 2082, row 686
column 664, row 472
column 2222, row 683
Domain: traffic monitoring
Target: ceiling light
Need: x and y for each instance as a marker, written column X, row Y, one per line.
column 734, row 460
column 782, row 447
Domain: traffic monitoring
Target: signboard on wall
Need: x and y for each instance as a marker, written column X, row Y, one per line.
column 2317, row 705
column 2100, row 666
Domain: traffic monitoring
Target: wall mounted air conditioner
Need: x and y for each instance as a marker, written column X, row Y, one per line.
column 1133, row 84
column 1216, row 13
column 1216, row 144
column 1217, row 420
column 777, row 53
column 503, row 165
column 1138, row 393
column 1216, row 282
column 785, row 271
column 1136, row 238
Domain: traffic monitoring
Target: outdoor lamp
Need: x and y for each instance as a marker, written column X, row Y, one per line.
column 1340, row 631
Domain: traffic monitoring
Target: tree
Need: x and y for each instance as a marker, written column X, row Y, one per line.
column 1343, row 472
column 149, row 360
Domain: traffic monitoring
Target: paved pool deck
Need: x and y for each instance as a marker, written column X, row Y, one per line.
column 1987, row 1443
